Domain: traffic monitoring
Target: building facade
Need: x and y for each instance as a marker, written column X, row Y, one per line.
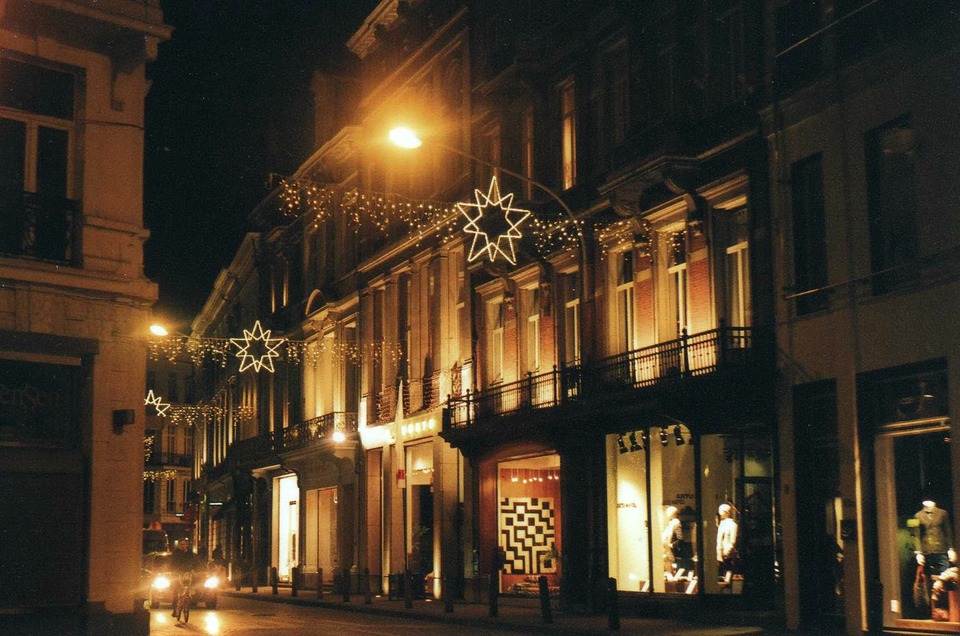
column 74, row 307
column 612, row 382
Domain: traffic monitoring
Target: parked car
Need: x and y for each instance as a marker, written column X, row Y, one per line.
column 163, row 582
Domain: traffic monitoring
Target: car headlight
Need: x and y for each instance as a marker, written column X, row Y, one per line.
column 211, row 583
column 161, row 583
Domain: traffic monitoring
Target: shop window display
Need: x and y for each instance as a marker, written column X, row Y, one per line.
column 657, row 512
column 529, row 524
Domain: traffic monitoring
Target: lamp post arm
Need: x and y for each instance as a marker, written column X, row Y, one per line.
column 550, row 191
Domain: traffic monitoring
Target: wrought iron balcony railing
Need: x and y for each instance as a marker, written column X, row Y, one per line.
column 688, row 356
column 169, row 459
column 38, row 227
column 313, row 431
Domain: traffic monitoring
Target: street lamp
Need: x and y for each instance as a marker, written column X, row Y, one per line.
column 405, row 137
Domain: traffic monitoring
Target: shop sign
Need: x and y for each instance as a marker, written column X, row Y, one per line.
column 38, row 402
column 419, row 427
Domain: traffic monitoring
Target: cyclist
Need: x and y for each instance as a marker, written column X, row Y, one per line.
column 183, row 561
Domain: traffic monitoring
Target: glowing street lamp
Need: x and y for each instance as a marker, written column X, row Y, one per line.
column 159, row 331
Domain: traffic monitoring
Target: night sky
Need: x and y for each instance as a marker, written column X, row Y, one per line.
column 229, row 104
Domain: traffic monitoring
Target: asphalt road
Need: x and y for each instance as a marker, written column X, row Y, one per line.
column 249, row 617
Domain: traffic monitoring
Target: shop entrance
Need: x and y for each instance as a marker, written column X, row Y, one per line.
column 529, row 524
column 321, row 550
column 288, row 526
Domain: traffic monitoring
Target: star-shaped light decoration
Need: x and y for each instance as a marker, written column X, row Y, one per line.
column 157, row 402
column 263, row 360
column 506, row 216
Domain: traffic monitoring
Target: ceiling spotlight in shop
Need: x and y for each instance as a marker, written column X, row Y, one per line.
column 678, row 435
column 634, row 445
column 620, row 444
column 663, row 436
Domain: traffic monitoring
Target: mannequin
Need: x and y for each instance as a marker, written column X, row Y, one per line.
column 726, row 543
column 946, row 581
column 670, row 537
column 934, row 537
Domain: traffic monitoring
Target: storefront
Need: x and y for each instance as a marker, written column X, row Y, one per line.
column 692, row 514
column 286, row 548
column 915, row 500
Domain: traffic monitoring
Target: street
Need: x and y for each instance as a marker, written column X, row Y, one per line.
column 248, row 617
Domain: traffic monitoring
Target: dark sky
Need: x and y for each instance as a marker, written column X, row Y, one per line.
column 229, row 104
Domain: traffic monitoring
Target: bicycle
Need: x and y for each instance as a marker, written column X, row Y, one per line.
column 184, row 597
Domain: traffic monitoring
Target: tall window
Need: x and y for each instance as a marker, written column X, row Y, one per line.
column 568, row 132
column 491, row 150
column 173, row 392
column 571, row 317
column 188, row 441
column 403, row 324
column 170, row 439
column 170, row 500
column 149, row 495
column 809, row 234
column 891, row 198
column 677, row 271
column 625, row 303
column 737, row 270
column 618, row 95
column 497, row 321
column 531, row 301
column 186, row 485
column 528, row 149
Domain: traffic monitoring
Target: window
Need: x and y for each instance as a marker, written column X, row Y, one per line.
column 498, row 318
column 532, row 311
column 737, row 269
column 170, row 501
column 149, row 495
column 403, row 326
column 809, row 234
column 625, row 302
column 188, row 441
column 571, row 317
column 491, row 151
column 677, row 271
column 186, row 490
column 891, row 200
column 173, row 393
column 170, row 439
column 568, row 132
column 528, row 149
column 617, row 70
column 151, row 381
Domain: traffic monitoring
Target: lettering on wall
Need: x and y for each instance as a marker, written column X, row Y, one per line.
column 39, row 402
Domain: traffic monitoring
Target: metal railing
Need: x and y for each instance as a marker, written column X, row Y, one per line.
column 688, row 356
column 313, row 431
column 169, row 459
column 38, row 227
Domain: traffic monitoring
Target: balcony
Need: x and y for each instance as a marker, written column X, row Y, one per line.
column 649, row 369
column 38, row 227
column 169, row 459
column 314, row 431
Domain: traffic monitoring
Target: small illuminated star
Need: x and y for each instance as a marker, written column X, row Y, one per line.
column 262, row 361
column 157, row 402
column 511, row 216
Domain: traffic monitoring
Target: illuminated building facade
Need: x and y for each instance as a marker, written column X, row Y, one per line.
column 74, row 309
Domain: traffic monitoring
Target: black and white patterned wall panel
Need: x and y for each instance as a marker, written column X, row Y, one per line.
column 527, row 532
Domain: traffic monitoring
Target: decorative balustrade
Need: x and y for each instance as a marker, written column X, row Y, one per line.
column 313, row 431
column 169, row 459
column 387, row 404
column 688, row 356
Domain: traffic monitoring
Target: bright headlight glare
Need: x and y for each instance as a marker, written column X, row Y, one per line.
column 161, row 583
column 211, row 583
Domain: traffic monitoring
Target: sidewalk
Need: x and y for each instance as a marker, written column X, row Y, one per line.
column 515, row 615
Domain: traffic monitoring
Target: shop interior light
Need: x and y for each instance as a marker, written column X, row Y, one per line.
column 634, row 445
column 663, row 437
column 621, row 445
column 513, row 476
column 678, row 435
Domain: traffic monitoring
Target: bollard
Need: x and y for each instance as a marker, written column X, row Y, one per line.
column 294, row 575
column 613, row 605
column 254, row 576
column 407, row 589
column 319, row 584
column 275, row 581
column 493, row 593
column 546, row 613
column 447, row 590
column 236, row 576
column 367, row 593
column 345, row 585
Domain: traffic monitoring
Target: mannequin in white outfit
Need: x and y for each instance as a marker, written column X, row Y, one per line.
column 726, row 543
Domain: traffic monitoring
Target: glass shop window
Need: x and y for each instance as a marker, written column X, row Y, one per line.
column 673, row 504
column 627, row 511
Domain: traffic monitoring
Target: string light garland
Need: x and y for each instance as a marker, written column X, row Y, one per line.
column 157, row 475
column 511, row 217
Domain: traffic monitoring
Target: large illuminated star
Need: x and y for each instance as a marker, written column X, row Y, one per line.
column 157, row 402
column 511, row 216
column 265, row 359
